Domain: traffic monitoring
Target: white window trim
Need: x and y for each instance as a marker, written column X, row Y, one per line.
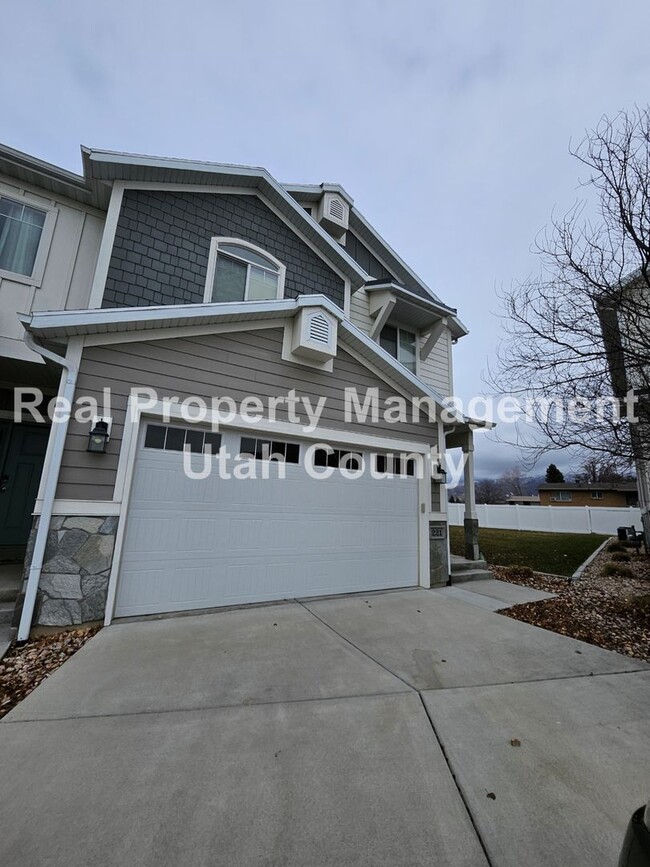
column 399, row 327
column 216, row 242
column 51, row 213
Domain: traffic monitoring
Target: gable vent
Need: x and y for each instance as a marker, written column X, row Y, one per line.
column 319, row 329
column 333, row 214
column 336, row 209
column 313, row 337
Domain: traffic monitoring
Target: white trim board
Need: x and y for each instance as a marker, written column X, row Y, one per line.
column 182, row 331
column 106, row 245
column 82, row 508
column 216, row 242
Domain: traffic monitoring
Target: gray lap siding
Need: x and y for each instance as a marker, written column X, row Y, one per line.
column 236, row 365
column 162, row 243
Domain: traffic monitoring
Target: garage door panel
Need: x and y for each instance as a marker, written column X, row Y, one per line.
column 192, row 543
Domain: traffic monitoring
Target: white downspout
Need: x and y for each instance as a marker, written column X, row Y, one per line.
column 70, row 365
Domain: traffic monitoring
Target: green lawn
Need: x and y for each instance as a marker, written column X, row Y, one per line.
column 557, row 553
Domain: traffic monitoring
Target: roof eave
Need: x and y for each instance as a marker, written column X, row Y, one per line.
column 60, row 325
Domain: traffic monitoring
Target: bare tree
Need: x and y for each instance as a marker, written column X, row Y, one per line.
column 489, row 491
column 577, row 334
column 513, row 482
column 599, row 469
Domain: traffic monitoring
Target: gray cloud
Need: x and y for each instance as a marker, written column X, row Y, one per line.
column 448, row 123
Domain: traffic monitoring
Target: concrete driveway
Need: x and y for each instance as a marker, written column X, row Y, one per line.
column 366, row 730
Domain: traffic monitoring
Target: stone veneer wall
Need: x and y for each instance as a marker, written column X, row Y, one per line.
column 76, row 567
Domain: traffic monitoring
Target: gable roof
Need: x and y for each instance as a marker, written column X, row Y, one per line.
column 103, row 167
column 108, row 166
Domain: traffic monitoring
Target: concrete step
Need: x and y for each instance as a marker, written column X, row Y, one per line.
column 470, row 575
column 7, row 635
column 7, row 612
column 9, row 594
column 460, row 564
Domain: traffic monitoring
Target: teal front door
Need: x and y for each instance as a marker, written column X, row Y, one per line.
column 22, row 452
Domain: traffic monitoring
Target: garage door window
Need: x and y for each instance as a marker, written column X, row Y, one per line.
column 338, row 458
column 175, row 439
column 264, row 450
column 395, row 465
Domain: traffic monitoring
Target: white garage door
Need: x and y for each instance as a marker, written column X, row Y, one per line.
column 201, row 543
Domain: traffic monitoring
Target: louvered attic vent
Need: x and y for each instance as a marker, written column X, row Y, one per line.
column 319, row 329
column 333, row 215
column 336, row 209
column 314, row 335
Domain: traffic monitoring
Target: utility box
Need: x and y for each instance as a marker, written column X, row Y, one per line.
column 438, row 554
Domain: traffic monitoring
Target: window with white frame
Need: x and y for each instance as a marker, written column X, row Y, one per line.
column 597, row 495
column 562, row 497
column 401, row 344
column 21, row 228
column 239, row 271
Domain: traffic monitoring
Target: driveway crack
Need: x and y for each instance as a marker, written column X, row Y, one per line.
column 431, row 724
column 356, row 647
column 459, row 789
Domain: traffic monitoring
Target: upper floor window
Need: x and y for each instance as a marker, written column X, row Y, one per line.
column 401, row 344
column 239, row 271
column 21, row 227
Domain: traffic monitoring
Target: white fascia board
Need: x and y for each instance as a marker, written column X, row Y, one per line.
column 129, row 159
column 86, row 321
column 317, row 190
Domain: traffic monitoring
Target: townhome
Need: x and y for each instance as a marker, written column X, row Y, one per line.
column 258, row 386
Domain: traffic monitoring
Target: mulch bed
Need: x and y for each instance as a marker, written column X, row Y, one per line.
column 23, row 668
column 609, row 611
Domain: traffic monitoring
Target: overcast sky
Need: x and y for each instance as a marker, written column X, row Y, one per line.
column 448, row 122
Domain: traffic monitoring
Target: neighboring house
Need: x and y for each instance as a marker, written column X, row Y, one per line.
column 51, row 224
column 214, row 284
column 523, row 499
column 609, row 494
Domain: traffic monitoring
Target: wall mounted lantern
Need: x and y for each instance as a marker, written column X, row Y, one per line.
column 440, row 475
column 99, row 436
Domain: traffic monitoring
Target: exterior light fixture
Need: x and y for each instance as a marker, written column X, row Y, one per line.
column 98, row 437
column 441, row 475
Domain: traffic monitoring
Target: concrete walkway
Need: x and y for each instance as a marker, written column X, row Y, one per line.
column 369, row 730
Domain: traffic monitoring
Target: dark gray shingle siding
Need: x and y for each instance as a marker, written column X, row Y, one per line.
column 162, row 243
column 369, row 262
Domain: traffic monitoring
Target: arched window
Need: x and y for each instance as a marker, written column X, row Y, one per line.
column 239, row 271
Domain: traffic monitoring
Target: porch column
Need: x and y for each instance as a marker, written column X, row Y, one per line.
column 471, row 520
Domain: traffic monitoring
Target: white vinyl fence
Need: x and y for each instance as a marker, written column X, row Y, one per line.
column 551, row 519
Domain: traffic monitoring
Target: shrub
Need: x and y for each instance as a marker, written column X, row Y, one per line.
column 637, row 608
column 616, row 546
column 621, row 557
column 617, row 570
